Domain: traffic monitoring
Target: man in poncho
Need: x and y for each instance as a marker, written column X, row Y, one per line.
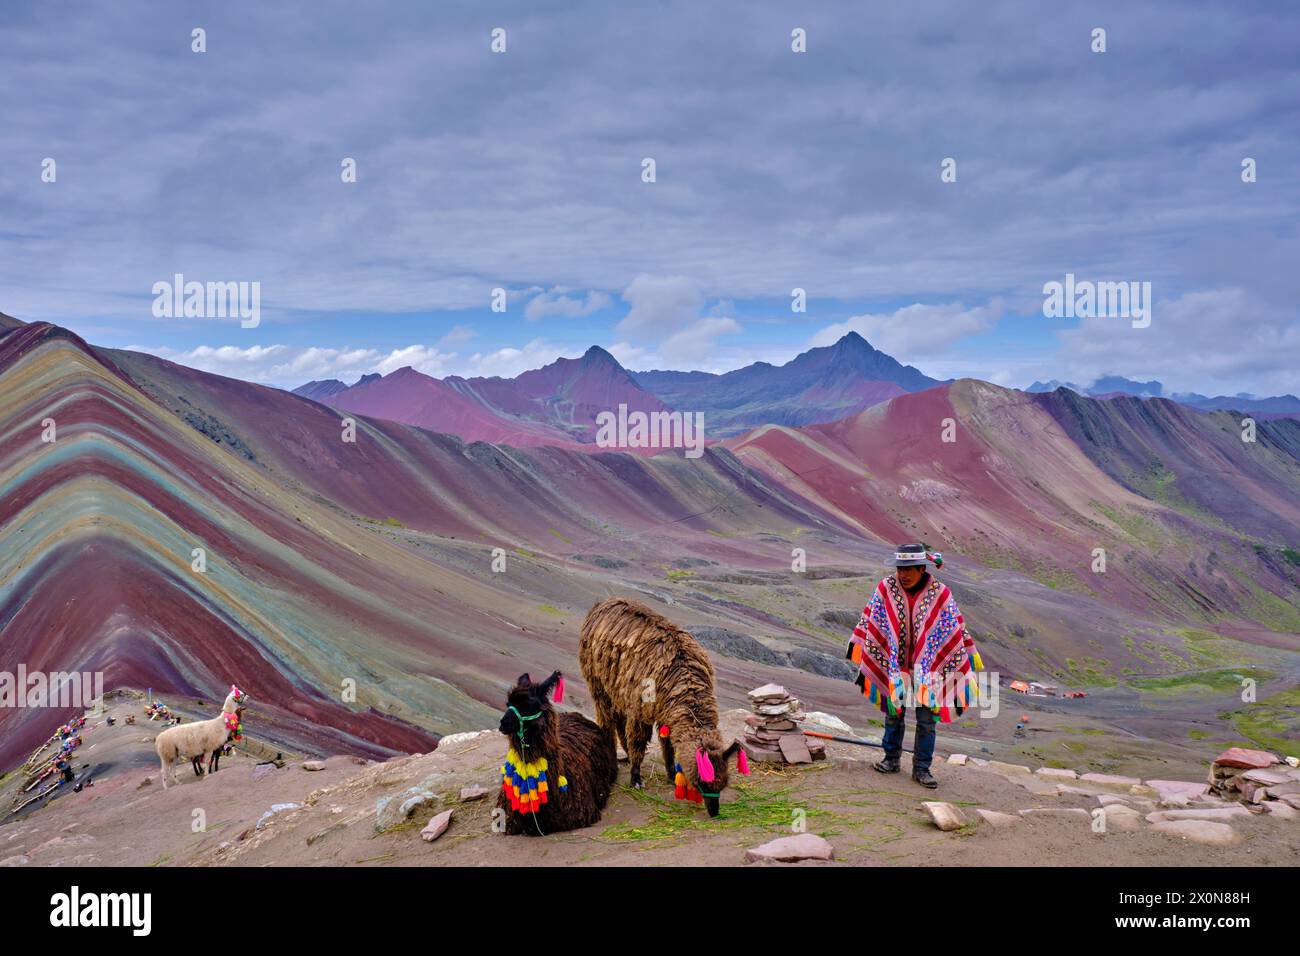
column 912, row 649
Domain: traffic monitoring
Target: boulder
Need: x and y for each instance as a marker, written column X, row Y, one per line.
column 1177, row 791
column 1112, row 782
column 1122, row 817
column 1281, row 810
column 957, row 760
column 472, row 793
column 1282, row 789
column 944, row 815
column 436, row 826
column 1064, row 813
column 995, row 819
column 1199, row 831
column 822, row 721
column 452, row 740
column 313, row 765
column 1266, row 777
column 1209, row 813
column 1246, row 759
column 390, row 811
column 1007, row 769
column 1056, row 773
column 791, row 849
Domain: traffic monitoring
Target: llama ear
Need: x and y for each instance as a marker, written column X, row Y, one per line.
column 524, row 679
column 554, row 682
column 742, row 758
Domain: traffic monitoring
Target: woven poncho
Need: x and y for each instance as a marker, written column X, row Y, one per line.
column 940, row 652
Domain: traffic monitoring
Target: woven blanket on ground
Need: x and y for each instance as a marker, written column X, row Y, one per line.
column 937, row 672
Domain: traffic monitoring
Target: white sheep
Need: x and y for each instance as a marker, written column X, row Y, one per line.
column 200, row 738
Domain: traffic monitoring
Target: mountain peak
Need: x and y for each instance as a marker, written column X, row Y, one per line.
column 596, row 356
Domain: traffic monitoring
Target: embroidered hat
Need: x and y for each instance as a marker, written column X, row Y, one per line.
column 915, row 556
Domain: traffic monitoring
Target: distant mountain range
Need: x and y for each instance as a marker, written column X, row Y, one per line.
column 558, row 404
column 1109, row 386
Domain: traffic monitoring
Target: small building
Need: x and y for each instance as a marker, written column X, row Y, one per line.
column 1047, row 690
column 1021, row 686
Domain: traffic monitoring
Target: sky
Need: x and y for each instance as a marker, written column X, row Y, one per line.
column 775, row 170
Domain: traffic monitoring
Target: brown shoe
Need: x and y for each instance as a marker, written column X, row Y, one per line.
column 925, row 779
column 888, row 765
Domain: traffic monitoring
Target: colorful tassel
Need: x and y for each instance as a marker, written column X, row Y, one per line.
column 558, row 696
column 742, row 761
column 975, row 659
column 663, row 731
column 704, row 766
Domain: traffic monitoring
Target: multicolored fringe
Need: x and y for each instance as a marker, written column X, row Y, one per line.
column 525, row 782
column 923, row 695
column 234, row 725
column 682, row 788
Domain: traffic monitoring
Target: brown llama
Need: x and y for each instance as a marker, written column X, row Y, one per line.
column 643, row 670
column 560, row 767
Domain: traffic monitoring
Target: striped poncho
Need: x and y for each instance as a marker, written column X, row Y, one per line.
column 933, row 639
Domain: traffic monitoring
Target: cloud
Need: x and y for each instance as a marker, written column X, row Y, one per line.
column 1254, row 346
column 660, row 305
column 696, row 342
column 457, row 335
column 916, row 331
column 556, row 302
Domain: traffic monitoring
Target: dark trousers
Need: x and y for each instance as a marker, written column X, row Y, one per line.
column 923, row 750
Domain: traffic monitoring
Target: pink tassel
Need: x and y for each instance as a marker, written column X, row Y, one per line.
column 559, row 690
column 703, row 765
column 742, row 761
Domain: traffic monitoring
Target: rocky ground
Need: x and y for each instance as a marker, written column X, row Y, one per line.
column 350, row 811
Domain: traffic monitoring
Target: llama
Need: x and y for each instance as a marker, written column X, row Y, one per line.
column 643, row 670
column 200, row 738
column 560, row 767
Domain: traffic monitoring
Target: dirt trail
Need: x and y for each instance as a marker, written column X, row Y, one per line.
column 868, row 818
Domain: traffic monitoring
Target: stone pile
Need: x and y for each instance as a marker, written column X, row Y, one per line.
column 1254, row 777
column 772, row 732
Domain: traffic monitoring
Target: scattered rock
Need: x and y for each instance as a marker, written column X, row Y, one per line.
column 995, row 819
column 958, row 760
column 1056, row 772
column 945, row 815
column 472, row 793
column 1112, row 782
column 1177, row 791
column 1246, row 759
column 436, row 826
column 1209, row 813
column 1064, row 812
column 147, row 781
column 275, row 808
column 1199, row 831
column 791, row 849
column 1293, row 761
column 313, row 765
column 830, row 722
column 451, row 740
column 390, row 811
column 1281, row 810
column 1122, row 817
column 263, row 770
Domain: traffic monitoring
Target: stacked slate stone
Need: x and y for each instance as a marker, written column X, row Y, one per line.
column 1255, row 776
column 772, row 732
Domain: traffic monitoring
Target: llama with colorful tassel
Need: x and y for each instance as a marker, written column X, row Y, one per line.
column 643, row 671
column 559, row 768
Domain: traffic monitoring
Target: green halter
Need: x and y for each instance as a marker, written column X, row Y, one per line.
column 522, row 718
